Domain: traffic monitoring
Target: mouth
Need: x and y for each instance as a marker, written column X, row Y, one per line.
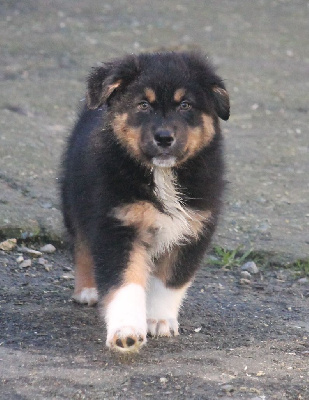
column 164, row 161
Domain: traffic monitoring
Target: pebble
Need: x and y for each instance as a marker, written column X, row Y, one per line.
column 250, row 267
column 19, row 259
column 67, row 276
column 163, row 380
column 48, row 248
column 303, row 281
column 26, row 263
column 245, row 274
column 244, row 281
column 8, row 245
column 31, row 252
column 228, row 388
column 42, row 261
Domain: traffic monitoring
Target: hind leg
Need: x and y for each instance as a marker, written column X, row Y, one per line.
column 85, row 290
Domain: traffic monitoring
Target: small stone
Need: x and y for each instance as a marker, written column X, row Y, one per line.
column 244, row 281
column 228, row 388
column 26, row 263
column 66, row 269
column 250, row 267
column 260, row 373
column 42, row 261
column 19, row 259
column 67, row 276
column 245, row 274
column 8, row 245
column 303, row 281
column 198, row 329
column 163, row 380
column 48, row 248
column 31, row 252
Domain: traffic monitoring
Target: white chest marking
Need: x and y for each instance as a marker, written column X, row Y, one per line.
column 177, row 223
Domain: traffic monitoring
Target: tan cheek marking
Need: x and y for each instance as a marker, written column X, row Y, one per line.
column 194, row 141
column 178, row 95
column 126, row 134
column 84, row 266
column 209, row 129
column 200, row 136
column 150, row 95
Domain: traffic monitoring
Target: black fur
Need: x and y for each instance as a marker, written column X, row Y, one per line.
column 100, row 173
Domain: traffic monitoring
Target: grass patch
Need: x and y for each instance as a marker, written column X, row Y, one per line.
column 229, row 259
column 301, row 267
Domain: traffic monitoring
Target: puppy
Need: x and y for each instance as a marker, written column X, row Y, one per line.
column 141, row 189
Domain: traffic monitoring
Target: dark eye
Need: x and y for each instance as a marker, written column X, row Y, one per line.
column 184, row 106
column 143, row 106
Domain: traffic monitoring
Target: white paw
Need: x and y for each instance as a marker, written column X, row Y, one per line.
column 126, row 339
column 162, row 308
column 162, row 327
column 88, row 296
column 125, row 317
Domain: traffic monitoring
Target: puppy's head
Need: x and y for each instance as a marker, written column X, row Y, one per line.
column 163, row 107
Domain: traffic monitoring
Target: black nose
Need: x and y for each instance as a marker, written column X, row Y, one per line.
column 164, row 138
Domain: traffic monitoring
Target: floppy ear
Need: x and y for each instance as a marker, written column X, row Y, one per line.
column 105, row 80
column 222, row 102
column 209, row 81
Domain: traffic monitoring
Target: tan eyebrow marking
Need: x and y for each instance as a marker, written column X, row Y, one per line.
column 178, row 95
column 150, row 95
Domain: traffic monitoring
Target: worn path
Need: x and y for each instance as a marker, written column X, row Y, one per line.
column 253, row 339
column 48, row 48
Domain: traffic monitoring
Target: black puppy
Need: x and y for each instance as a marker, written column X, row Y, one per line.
column 141, row 189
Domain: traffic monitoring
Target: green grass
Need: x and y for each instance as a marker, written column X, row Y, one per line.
column 229, row 259
column 301, row 267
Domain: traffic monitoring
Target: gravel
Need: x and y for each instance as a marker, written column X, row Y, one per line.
column 250, row 267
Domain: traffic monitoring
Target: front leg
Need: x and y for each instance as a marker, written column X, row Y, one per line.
column 166, row 291
column 163, row 305
column 124, row 306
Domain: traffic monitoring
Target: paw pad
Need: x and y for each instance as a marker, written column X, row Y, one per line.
column 126, row 342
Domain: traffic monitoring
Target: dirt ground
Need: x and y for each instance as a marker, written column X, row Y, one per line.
column 238, row 340
column 261, row 51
